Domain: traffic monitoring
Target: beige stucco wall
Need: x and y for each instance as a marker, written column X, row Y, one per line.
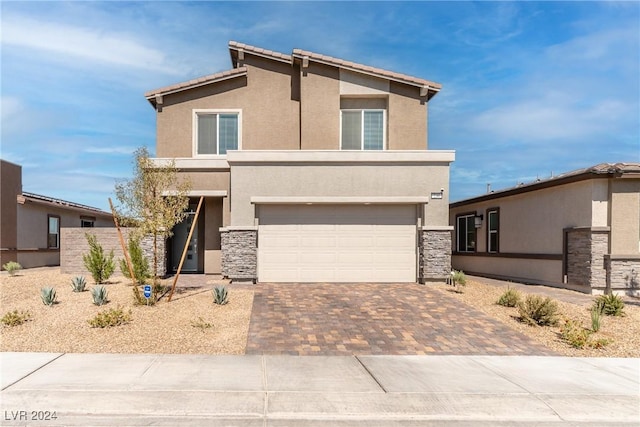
column 538, row 271
column 407, row 117
column 338, row 179
column 625, row 216
column 264, row 96
column 11, row 181
column 320, row 107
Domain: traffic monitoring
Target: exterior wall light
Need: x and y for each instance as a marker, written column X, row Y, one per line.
column 478, row 220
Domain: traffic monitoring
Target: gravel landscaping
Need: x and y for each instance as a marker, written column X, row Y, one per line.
column 192, row 323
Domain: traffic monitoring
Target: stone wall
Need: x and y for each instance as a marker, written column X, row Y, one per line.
column 73, row 245
column 623, row 274
column 434, row 255
column 240, row 254
column 586, row 250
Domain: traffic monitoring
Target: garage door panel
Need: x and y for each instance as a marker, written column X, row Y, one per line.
column 337, row 243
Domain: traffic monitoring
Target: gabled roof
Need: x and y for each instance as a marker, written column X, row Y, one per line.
column 237, row 51
column 37, row 198
column 601, row 170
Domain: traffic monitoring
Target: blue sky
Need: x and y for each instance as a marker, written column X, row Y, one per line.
column 528, row 88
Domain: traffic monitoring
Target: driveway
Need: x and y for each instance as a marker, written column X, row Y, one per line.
column 375, row 319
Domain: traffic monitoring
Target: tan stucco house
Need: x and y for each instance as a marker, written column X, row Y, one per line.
column 579, row 230
column 312, row 169
column 30, row 224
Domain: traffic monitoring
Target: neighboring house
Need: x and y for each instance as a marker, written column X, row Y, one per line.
column 312, row 169
column 30, row 224
column 579, row 230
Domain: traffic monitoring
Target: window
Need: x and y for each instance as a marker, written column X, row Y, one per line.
column 87, row 222
column 493, row 227
column 216, row 132
column 466, row 229
column 362, row 129
column 53, row 236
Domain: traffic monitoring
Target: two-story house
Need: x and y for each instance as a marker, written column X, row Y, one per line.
column 312, row 169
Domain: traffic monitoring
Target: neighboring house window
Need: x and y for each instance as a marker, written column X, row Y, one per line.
column 362, row 129
column 53, row 236
column 493, row 230
column 466, row 233
column 86, row 222
column 216, row 132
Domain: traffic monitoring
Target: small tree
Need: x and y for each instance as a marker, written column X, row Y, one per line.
column 155, row 200
column 139, row 262
column 99, row 265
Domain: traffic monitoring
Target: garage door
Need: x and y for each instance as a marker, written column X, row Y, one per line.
column 337, row 243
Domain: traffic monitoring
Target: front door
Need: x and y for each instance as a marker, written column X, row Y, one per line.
column 180, row 234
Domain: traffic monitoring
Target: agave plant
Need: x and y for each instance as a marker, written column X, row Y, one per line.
column 48, row 296
column 220, row 295
column 78, row 283
column 99, row 294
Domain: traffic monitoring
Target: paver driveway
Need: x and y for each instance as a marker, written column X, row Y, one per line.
column 346, row 319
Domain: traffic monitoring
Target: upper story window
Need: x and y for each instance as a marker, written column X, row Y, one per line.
column 53, row 235
column 362, row 129
column 216, row 131
column 87, row 222
column 493, row 230
column 466, row 232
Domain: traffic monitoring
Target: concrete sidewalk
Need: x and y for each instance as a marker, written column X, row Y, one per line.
column 194, row 390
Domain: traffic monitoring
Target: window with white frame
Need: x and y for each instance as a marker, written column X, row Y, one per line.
column 466, row 232
column 53, row 235
column 493, row 230
column 362, row 129
column 216, row 132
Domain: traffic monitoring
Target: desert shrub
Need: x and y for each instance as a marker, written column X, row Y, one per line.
column 100, row 265
column 458, row 279
column 15, row 318
column 201, row 324
column 99, row 294
column 510, row 298
column 220, row 295
column 78, row 284
column 139, row 263
column 12, row 267
column 536, row 310
column 110, row 317
column 595, row 318
column 574, row 334
column 48, row 296
column 610, row 305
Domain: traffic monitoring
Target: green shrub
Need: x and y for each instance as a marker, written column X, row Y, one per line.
column 48, row 296
column 536, row 310
column 15, row 318
column 139, row 263
column 220, row 295
column 610, row 305
column 12, row 267
column 458, row 279
column 110, row 317
column 595, row 318
column 574, row 334
column 78, row 284
column 99, row 294
column 100, row 265
column 510, row 298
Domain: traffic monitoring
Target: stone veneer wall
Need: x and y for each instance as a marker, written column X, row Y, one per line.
column 434, row 255
column 73, row 245
column 623, row 274
column 239, row 254
column 586, row 250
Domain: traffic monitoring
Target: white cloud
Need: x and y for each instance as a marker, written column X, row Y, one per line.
column 110, row 150
column 84, row 43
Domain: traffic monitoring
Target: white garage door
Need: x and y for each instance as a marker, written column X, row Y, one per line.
column 337, row 243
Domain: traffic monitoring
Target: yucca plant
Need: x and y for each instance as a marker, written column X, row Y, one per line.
column 48, row 296
column 611, row 305
column 99, row 294
column 12, row 267
column 78, row 284
column 220, row 295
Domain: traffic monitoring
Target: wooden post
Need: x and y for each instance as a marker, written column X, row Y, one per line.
column 124, row 247
column 186, row 246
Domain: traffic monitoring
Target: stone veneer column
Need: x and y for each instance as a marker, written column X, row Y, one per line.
column 586, row 250
column 434, row 254
column 623, row 274
column 239, row 253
